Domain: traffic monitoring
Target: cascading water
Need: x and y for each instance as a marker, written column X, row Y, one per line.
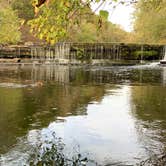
column 164, row 69
column 95, row 53
column 163, row 61
column 164, row 53
column 50, row 54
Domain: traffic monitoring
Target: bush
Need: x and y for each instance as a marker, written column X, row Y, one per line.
column 51, row 152
column 146, row 55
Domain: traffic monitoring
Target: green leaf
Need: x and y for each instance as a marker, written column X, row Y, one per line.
column 104, row 14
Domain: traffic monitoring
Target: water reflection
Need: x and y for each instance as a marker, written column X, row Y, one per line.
column 164, row 75
column 101, row 133
column 80, row 75
column 149, row 109
column 22, row 109
column 97, row 110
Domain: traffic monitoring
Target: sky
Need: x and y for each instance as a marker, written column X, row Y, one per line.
column 121, row 15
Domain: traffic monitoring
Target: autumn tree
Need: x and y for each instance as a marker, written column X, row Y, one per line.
column 56, row 19
column 23, row 8
column 9, row 26
column 150, row 21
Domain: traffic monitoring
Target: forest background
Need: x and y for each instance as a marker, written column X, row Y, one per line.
column 74, row 21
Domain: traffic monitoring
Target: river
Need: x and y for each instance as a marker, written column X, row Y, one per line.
column 85, row 115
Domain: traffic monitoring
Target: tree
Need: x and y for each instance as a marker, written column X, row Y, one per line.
column 24, row 9
column 150, row 21
column 57, row 18
column 9, row 26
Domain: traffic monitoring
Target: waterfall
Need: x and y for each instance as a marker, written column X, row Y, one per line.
column 163, row 61
column 49, row 54
column 164, row 53
column 142, row 53
column 164, row 75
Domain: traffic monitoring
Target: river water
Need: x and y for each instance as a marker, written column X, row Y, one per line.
column 85, row 115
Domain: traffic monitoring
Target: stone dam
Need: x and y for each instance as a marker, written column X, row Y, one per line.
column 78, row 53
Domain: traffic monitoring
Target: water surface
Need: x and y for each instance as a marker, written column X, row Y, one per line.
column 110, row 115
